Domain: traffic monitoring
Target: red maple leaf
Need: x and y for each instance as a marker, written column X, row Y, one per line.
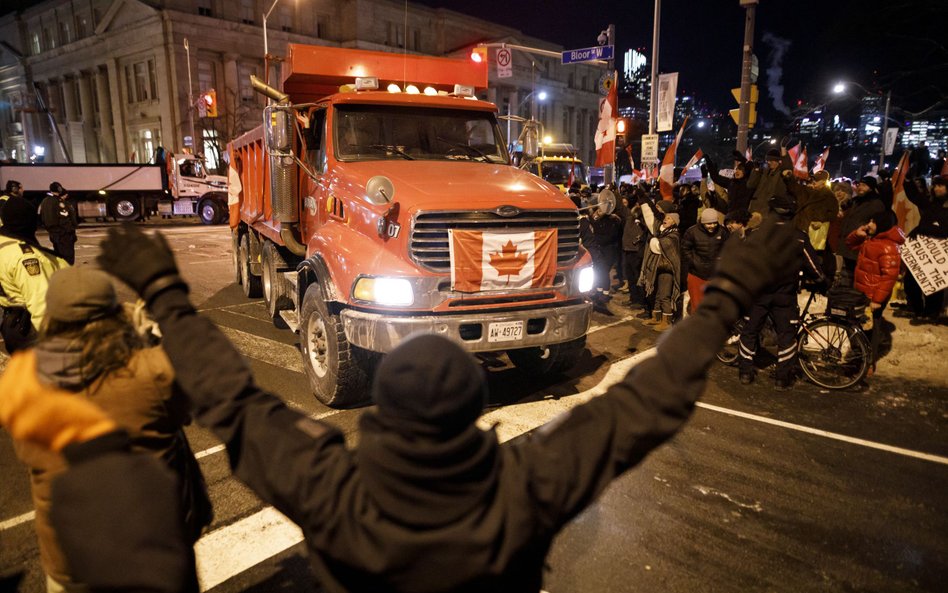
column 508, row 262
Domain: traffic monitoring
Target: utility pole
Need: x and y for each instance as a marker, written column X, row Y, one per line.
column 187, row 50
column 610, row 169
column 653, row 95
column 885, row 129
column 750, row 11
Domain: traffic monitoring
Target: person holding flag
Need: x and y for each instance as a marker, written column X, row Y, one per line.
column 766, row 182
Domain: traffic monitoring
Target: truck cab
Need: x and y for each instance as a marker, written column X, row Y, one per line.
column 388, row 214
column 557, row 164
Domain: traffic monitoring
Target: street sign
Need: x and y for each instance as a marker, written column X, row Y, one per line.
column 588, row 54
column 188, row 141
column 504, row 63
column 649, row 149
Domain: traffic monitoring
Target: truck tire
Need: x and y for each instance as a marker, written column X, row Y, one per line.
column 210, row 212
column 552, row 359
column 250, row 283
column 339, row 373
column 125, row 208
column 276, row 290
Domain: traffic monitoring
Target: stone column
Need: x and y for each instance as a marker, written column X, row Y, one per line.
column 88, row 118
column 106, row 133
column 230, row 94
column 71, row 130
column 117, row 104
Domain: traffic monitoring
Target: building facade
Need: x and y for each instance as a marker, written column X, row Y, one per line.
column 111, row 80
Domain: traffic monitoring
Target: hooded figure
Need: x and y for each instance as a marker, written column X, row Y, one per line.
column 88, row 346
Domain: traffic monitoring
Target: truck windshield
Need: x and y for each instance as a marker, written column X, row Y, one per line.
column 557, row 172
column 375, row 132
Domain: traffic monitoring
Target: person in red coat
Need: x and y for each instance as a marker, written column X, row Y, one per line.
column 878, row 243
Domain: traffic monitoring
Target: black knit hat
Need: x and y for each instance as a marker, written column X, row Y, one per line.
column 885, row 220
column 871, row 181
column 19, row 219
column 430, row 380
column 773, row 155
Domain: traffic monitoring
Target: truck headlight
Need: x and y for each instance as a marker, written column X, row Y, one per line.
column 586, row 279
column 395, row 292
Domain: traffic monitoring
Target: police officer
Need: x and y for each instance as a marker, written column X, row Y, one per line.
column 779, row 301
column 60, row 219
column 13, row 189
column 25, row 268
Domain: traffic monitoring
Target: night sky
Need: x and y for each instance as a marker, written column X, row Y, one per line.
column 878, row 43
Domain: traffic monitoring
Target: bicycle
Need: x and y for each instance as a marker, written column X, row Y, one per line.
column 832, row 348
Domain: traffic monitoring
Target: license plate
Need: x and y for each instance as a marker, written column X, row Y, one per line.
column 507, row 331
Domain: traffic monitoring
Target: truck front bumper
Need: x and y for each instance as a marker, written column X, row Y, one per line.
column 541, row 327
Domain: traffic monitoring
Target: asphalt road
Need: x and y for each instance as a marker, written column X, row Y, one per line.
column 762, row 491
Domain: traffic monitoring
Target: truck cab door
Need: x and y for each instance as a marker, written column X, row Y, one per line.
column 315, row 188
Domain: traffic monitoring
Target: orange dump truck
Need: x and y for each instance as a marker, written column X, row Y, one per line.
column 378, row 201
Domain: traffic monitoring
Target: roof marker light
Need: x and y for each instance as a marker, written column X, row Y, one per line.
column 412, row 89
column 394, row 88
column 430, row 90
column 367, row 83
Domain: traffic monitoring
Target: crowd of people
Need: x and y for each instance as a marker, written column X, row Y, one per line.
column 657, row 248
column 429, row 500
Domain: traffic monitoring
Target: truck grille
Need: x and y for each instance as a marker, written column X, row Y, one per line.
column 429, row 233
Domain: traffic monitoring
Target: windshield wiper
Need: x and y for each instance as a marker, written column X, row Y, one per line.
column 392, row 148
column 473, row 152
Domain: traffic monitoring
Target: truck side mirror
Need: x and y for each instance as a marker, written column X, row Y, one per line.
column 379, row 190
column 278, row 125
column 531, row 143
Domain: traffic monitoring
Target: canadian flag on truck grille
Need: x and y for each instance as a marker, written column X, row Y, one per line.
column 503, row 260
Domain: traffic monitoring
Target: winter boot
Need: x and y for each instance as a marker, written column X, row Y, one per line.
column 664, row 324
column 656, row 318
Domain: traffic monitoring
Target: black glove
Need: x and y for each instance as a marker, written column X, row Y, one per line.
column 748, row 266
column 786, row 142
column 144, row 263
column 704, row 170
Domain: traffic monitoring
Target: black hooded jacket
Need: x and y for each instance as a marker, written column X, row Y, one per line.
column 416, row 511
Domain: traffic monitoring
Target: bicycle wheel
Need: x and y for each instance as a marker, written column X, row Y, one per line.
column 833, row 355
column 729, row 352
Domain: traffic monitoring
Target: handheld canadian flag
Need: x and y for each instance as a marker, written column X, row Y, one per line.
column 483, row 260
column 694, row 160
column 800, row 168
column 905, row 211
column 820, row 163
column 605, row 137
column 794, row 152
column 234, row 189
column 666, row 177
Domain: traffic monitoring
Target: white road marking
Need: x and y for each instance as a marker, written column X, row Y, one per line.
column 11, row 523
column 608, row 325
column 242, row 545
column 827, row 434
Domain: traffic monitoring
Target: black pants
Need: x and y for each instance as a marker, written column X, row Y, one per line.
column 782, row 308
column 632, row 264
column 604, row 258
column 65, row 245
column 920, row 304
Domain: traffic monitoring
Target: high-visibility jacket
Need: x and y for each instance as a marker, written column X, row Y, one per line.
column 24, row 276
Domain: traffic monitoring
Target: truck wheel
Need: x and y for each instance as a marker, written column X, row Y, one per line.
column 125, row 209
column 555, row 358
column 338, row 372
column 250, row 283
column 276, row 290
column 210, row 212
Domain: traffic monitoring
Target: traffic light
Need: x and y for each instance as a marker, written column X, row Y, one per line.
column 752, row 115
column 210, row 100
column 479, row 55
column 622, row 128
